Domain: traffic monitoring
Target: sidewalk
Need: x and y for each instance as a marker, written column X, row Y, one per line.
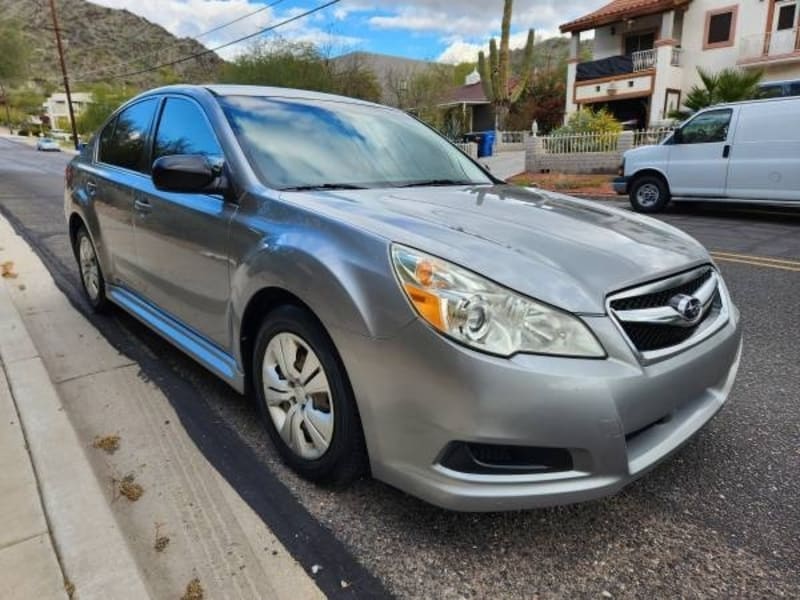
column 64, row 514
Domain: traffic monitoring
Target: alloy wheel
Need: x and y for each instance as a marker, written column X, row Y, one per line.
column 90, row 271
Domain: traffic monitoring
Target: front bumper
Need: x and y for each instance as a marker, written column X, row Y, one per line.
column 615, row 416
column 620, row 185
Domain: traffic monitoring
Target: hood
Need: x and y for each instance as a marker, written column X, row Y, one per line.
column 567, row 252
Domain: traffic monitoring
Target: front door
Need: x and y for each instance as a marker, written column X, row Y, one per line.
column 698, row 159
column 182, row 239
column 784, row 35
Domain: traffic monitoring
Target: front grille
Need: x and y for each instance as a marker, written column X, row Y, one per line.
column 647, row 337
column 661, row 297
column 652, row 325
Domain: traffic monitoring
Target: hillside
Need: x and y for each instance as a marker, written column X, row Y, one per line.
column 96, row 37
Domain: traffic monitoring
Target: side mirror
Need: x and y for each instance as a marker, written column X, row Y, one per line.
column 189, row 173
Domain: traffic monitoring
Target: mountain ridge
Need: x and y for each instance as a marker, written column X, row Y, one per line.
column 99, row 43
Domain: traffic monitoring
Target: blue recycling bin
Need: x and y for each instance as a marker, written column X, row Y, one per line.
column 485, row 140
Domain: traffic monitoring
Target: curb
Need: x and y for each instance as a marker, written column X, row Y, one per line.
column 90, row 547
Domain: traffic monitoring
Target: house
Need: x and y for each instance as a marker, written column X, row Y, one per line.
column 55, row 107
column 646, row 52
column 392, row 72
column 469, row 106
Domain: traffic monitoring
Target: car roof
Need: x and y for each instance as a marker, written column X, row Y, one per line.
column 757, row 101
column 257, row 91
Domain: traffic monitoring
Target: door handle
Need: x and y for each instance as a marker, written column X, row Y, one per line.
column 91, row 188
column 142, row 206
column 726, row 151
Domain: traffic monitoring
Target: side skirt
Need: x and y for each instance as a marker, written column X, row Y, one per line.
column 211, row 356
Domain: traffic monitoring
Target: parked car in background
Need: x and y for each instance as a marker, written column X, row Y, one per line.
column 780, row 89
column 391, row 306
column 739, row 152
column 47, row 144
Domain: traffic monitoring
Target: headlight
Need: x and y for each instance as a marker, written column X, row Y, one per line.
column 484, row 315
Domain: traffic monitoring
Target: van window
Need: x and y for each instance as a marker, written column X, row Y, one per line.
column 707, row 128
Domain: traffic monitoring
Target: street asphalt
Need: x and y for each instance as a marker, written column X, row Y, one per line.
column 719, row 519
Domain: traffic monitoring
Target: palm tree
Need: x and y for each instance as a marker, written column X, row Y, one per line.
column 728, row 85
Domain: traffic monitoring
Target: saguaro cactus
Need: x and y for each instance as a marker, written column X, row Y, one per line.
column 496, row 73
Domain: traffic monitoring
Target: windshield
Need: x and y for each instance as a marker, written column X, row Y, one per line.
column 307, row 144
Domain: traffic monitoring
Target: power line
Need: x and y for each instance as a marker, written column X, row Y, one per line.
column 220, row 47
column 179, row 41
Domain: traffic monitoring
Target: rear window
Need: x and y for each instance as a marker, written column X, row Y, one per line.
column 123, row 141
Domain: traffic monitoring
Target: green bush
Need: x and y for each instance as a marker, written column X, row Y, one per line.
column 590, row 121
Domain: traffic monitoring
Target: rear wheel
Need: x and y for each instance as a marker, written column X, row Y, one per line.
column 94, row 285
column 649, row 194
column 305, row 398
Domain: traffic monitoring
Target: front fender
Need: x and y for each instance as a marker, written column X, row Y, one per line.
column 341, row 273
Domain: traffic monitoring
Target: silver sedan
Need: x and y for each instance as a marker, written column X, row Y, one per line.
column 393, row 308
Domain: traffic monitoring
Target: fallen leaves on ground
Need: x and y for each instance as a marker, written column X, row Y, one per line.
column 107, row 443
column 194, row 591
column 130, row 489
column 7, row 270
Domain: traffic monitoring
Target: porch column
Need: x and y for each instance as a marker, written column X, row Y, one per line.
column 572, row 64
column 669, row 74
column 667, row 27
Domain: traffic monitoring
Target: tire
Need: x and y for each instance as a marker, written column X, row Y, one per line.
column 91, row 275
column 307, row 404
column 649, row 194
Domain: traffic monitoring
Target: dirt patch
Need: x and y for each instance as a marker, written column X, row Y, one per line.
column 194, row 591
column 108, row 443
column 69, row 587
column 128, row 487
column 7, row 270
column 590, row 185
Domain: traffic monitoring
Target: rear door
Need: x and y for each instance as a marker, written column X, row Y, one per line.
column 182, row 239
column 698, row 160
column 119, row 170
column 765, row 154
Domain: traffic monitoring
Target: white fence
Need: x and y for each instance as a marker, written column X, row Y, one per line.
column 649, row 137
column 600, row 142
column 508, row 141
column 586, row 152
column 469, row 148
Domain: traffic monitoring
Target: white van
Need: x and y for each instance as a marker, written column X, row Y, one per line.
column 738, row 152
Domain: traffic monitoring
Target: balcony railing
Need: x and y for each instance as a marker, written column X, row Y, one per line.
column 644, row 59
column 675, row 60
column 775, row 45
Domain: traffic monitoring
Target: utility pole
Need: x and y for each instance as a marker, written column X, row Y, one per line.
column 64, row 73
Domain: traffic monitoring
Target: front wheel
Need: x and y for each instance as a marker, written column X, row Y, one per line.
column 649, row 194
column 305, row 399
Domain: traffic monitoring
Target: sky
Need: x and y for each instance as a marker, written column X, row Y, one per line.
column 443, row 30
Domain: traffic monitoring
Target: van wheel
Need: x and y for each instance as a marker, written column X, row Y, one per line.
column 649, row 194
column 305, row 399
column 94, row 284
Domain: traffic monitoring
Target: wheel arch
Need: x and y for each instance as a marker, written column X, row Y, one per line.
column 652, row 172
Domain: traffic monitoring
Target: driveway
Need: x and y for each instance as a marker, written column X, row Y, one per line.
column 505, row 164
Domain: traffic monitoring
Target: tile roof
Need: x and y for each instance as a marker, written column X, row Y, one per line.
column 619, row 10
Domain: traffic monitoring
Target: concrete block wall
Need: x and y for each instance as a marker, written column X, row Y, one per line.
column 538, row 160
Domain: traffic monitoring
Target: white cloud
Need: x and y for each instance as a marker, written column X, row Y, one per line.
column 191, row 18
column 461, row 27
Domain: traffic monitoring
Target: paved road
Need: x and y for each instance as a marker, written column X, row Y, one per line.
column 720, row 519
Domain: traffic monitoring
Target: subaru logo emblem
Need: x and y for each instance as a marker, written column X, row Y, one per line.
column 689, row 307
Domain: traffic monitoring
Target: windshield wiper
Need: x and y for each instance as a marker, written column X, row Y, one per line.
column 323, row 186
column 434, row 182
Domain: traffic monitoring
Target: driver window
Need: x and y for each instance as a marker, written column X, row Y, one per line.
column 707, row 128
column 183, row 129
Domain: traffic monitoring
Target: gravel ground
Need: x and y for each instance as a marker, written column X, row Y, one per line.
column 720, row 519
